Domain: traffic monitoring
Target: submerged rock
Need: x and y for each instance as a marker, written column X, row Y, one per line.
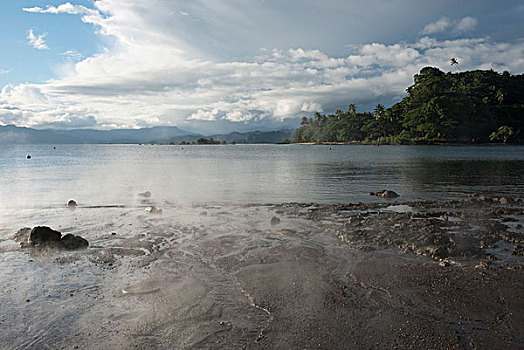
column 28, row 156
column 385, row 194
column 145, row 194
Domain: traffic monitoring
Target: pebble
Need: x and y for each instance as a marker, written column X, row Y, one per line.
column 274, row 221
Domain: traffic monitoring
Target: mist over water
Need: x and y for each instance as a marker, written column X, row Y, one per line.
column 113, row 174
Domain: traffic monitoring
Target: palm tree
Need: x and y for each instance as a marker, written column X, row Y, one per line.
column 379, row 110
column 500, row 96
column 352, row 109
column 454, row 62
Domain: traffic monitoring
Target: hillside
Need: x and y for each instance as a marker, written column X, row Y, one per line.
column 161, row 135
column 469, row 107
column 16, row 135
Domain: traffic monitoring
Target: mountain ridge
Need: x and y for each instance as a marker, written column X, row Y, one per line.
column 11, row 134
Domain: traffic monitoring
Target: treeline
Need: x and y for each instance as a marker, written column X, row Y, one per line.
column 474, row 106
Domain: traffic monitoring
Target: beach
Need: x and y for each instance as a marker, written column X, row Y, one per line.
column 393, row 274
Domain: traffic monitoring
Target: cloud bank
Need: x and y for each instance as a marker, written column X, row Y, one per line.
column 152, row 75
column 444, row 24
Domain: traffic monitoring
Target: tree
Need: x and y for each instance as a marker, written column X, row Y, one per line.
column 304, row 121
column 352, row 109
column 379, row 111
column 454, row 62
column 503, row 133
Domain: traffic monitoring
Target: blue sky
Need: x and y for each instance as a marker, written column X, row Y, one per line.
column 216, row 66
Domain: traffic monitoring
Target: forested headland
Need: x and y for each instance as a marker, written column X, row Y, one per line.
column 467, row 107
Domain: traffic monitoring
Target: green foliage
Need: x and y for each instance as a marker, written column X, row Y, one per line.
column 439, row 107
column 204, row 141
column 504, row 133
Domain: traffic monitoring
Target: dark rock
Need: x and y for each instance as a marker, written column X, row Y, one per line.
column 72, row 242
column 385, row 194
column 28, row 156
column 274, row 221
column 145, row 194
column 22, row 235
column 518, row 250
column 389, row 194
column 42, row 235
column 72, row 204
column 154, row 210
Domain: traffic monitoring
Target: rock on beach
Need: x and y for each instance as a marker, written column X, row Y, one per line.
column 43, row 236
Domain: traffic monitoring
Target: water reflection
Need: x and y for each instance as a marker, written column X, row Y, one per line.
column 114, row 174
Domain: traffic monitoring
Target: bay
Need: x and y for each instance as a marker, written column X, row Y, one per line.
column 98, row 175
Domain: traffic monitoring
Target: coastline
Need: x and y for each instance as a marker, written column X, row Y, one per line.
column 422, row 274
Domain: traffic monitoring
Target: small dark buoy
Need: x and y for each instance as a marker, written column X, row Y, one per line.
column 28, row 156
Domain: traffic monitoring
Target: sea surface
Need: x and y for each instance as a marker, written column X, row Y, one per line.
column 101, row 175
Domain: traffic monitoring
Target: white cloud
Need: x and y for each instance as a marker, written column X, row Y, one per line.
column 437, row 27
column 207, row 115
column 37, row 41
column 445, row 24
column 466, row 24
column 154, row 76
column 64, row 8
column 72, row 55
column 4, row 71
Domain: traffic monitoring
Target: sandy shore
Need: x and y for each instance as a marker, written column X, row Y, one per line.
column 391, row 275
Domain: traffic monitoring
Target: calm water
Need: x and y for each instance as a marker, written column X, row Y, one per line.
column 114, row 174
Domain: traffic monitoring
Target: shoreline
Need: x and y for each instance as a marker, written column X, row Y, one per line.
column 404, row 274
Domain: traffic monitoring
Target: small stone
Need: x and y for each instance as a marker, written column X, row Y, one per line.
column 518, row 250
column 28, row 156
column 204, row 213
column 503, row 200
column 444, row 263
column 518, row 226
column 72, row 204
column 389, row 194
column 113, row 233
column 154, row 210
column 482, row 198
column 145, row 194
column 274, row 221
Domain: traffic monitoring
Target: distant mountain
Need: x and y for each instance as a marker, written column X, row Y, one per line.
column 16, row 135
column 238, row 137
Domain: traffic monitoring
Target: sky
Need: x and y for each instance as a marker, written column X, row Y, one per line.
column 214, row 66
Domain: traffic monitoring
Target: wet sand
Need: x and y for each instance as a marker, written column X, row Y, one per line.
column 391, row 275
